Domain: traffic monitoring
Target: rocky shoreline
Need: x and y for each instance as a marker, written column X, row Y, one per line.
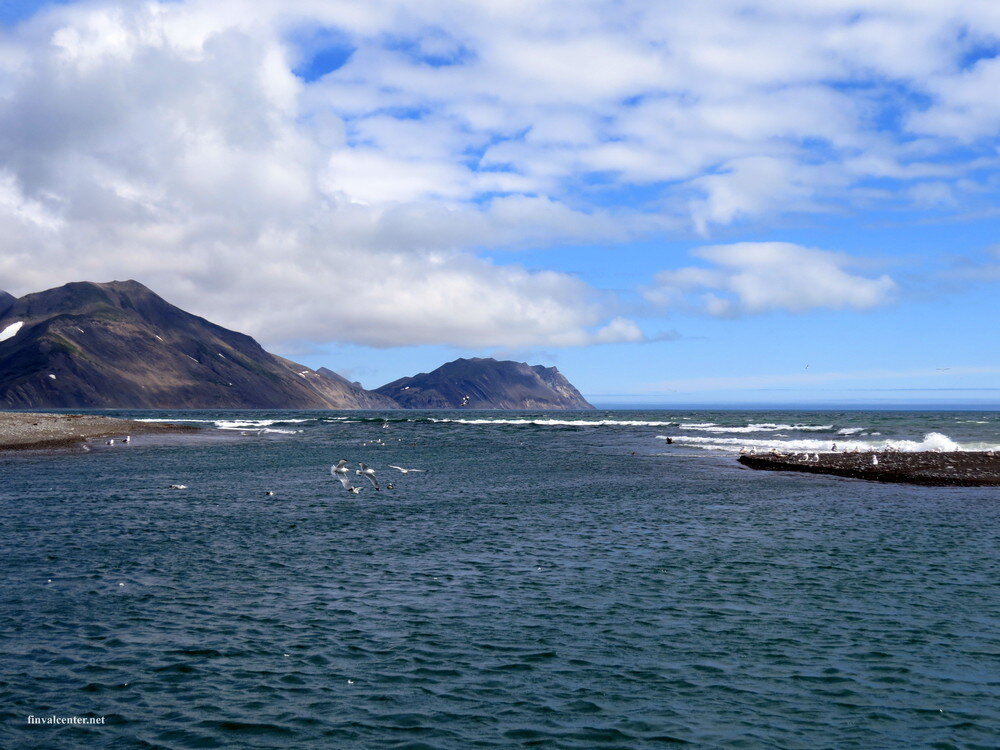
column 934, row 469
column 35, row 431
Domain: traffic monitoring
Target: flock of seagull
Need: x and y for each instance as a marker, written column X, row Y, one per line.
column 342, row 473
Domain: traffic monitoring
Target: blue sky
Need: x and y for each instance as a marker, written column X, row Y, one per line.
column 735, row 202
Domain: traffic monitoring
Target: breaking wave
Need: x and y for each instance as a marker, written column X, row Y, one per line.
column 563, row 422
column 764, row 427
column 932, row 441
column 264, row 425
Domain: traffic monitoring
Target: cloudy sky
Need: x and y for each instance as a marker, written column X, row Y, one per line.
column 674, row 202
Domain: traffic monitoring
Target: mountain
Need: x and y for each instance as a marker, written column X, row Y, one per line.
column 486, row 383
column 120, row 345
column 364, row 399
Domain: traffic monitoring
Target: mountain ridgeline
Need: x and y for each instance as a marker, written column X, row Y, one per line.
column 119, row 345
column 486, row 384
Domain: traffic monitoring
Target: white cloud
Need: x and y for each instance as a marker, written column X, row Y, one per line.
column 171, row 142
column 965, row 106
column 167, row 143
column 756, row 277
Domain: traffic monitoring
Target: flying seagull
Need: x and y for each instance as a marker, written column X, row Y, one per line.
column 369, row 473
column 341, row 473
column 405, row 471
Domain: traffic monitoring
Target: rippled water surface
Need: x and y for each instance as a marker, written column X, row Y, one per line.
column 545, row 584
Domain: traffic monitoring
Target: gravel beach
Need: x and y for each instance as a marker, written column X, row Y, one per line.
column 952, row 468
column 29, row 430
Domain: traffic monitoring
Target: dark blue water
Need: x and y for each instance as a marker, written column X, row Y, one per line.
column 543, row 585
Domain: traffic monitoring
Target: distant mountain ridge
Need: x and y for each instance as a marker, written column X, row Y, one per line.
column 483, row 383
column 6, row 301
column 120, row 345
column 365, row 399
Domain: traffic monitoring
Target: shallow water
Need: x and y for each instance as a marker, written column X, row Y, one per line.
column 545, row 585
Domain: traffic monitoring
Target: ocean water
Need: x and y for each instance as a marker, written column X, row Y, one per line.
column 554, row 580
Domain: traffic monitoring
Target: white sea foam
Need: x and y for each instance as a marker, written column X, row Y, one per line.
column 763, row 427
column 561, row 422
column 178, row 419
column 238, row 424
column 701, row 426
column 932, row 441
column 256, row 424
column 850, row 430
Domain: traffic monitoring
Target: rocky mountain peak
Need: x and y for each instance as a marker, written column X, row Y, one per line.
column 486, row 383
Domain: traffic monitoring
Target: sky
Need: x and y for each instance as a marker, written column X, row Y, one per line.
column 684, row 202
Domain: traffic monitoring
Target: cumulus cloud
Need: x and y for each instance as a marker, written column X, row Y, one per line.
column 756, row 277
column 348, row 161
column 167, row 143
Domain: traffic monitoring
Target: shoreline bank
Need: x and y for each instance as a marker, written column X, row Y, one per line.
column 40, row 431
column 927, row 468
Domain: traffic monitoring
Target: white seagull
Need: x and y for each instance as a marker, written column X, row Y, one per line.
column 369, row 473
column 405, row 471
column 874, row 460
column 342, row 474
